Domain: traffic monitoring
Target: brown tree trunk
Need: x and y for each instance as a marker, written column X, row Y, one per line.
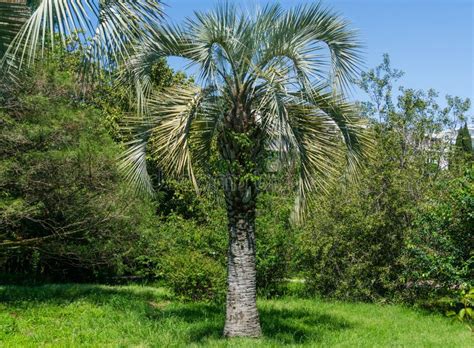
column 241, row 309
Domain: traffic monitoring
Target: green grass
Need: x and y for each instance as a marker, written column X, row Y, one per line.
column 141, row 316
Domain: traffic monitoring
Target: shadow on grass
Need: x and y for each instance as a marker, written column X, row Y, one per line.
column 197, row 322
column 294, row 325
column 300, row 325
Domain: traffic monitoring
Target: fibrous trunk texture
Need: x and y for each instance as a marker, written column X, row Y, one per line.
column 240, row 147
column 241, row 313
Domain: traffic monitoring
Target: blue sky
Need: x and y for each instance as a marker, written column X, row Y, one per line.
column 430, row 40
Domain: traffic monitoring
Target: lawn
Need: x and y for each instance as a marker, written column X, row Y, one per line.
column 143, row 316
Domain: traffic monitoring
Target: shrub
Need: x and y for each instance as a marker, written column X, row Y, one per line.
column 394, row 228
column 438, row 255
column 274, row 244
column 184, row 247
column 348, row 250
column 194, row 276
column 462, row 308
column 65, row 214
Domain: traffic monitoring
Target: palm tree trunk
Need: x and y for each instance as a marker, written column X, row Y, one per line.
column 241, row 312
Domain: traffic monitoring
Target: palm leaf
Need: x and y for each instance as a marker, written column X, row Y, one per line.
column 302, row 34
column 175, row 116
column 106, row 28
column 354, row 129
column 13, row 14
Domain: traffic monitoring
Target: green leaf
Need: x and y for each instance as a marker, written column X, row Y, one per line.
column 450, row 313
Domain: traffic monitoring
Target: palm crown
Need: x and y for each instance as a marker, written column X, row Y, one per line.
column 276, row 76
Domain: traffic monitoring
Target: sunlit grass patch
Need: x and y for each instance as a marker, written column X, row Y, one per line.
column 143, row 316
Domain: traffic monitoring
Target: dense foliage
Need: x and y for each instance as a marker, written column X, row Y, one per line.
column 65, row 214
column 402, row 231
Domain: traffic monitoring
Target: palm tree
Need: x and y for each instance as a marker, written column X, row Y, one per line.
column 270, row 79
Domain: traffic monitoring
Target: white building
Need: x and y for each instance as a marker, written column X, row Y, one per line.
column 448, row 137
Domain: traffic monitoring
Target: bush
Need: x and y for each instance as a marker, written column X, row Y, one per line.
column 438, row 255
column 274, row 243
column 395, row 228
column 183, row 249
column 349, row 251
column 65, row 213
column 194, row 276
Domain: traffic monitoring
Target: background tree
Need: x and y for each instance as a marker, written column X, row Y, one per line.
column 463, row 145
column 378, row 84
column 65, row 212
column 263, row 86
column 463, row 140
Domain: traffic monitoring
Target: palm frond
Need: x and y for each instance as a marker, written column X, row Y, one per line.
column 205, row 128
column 353, row 129
column 321, row 129
column 319, row 152
column 302, row 33
column 331, row 141
column 270, row 102
column 133, row 163
column 302, row 133
column 106, row 28
column 13, row 14
column 177, row 129
column 177, row 108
